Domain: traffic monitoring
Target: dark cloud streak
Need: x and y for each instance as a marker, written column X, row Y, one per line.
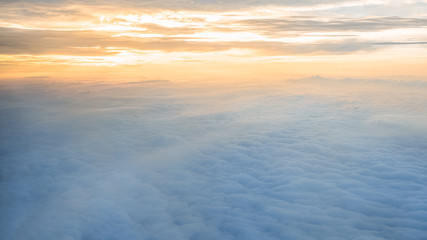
column 205, row 5
column 304, row 24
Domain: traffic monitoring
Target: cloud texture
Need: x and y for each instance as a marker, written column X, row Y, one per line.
column 305, row 159
column 253, row 28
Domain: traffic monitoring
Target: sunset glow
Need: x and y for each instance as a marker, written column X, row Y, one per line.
column 213, row 119
column 112, row 38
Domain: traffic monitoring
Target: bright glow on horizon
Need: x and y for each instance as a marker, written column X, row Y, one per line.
column 213, row 119
column 91, row 36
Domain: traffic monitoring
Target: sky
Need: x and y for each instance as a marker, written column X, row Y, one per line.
column 211, row 119
column 233, row 40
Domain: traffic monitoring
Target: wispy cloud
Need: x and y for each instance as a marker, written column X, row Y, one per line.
column 179, row 31
column 290, row 35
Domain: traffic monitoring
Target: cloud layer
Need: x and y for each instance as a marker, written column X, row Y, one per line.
column 197, row 4
column 190, row 30
column 305, row 159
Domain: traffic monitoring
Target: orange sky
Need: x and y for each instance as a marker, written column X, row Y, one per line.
column 125, row 40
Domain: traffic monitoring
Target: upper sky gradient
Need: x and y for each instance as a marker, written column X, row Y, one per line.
column 212, row 39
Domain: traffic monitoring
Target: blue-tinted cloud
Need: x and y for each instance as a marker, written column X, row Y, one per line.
column 306, row 159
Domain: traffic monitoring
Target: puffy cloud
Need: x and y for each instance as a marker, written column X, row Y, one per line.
column 304, row 159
